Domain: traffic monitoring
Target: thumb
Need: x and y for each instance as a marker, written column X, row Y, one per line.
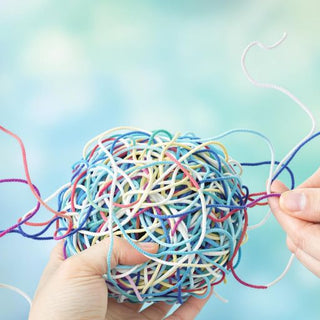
column 93, row 261
column 302, row 203
column 276, row 187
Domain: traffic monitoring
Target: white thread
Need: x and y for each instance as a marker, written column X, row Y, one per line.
column 280, row 89
column 17, row 290
column 287, row 156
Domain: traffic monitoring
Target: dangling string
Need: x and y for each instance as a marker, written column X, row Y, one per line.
column 283, row 163
column 114, row 153
column 280, row 89
column 17, row 290
column 31, row 186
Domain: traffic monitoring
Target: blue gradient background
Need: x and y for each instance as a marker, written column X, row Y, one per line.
column 72, row 69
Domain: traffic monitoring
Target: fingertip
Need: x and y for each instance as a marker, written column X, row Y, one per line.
column 302, row 203
column 278, row 187
column 141, row 256
column 293, row 201
column 129, row 255
column 150, row 247
column 57, row 252
column 290, row 244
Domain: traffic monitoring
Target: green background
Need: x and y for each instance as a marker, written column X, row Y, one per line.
column 72, row 69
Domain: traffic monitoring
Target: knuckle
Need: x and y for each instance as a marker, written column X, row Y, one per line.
column 69, row 264
column 73, row 267
column 316, row 205
column 313, row 204
column 57, row 251
column 291, row 246
column 174, row 317
column 67, row 268
column 301, row 239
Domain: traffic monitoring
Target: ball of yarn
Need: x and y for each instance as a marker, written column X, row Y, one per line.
column 179, row 191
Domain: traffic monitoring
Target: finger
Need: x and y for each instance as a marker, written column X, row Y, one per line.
column 118, row 310
column 302, row 204
column 276, row 187
column 93, row 261
column 57, row 255
column 313, row 181
column 157, row 310
column 190, row 309
column 309, row 262
column 304, row 234
column 56, row 259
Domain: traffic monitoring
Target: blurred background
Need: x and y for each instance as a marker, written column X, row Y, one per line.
column 72, row 69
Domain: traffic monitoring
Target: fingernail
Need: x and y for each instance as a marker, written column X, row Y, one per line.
column 147, row 245
column 293, row 200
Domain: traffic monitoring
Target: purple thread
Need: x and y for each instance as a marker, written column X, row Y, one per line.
column 29, row 216
column 253, row 203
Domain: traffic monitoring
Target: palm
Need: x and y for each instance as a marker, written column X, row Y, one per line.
column 75, row 289
column 120, row 311
column 93, row 291
column 157, row 311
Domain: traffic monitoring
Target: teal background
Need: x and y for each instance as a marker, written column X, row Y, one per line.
column 72, row 69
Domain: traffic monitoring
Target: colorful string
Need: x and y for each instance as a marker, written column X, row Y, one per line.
column 182, row 192
column 179, row 192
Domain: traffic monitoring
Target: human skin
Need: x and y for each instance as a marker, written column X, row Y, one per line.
column 298, row 212
column 74, row 289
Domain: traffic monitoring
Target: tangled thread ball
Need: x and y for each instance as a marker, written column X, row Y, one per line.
column 181, row 192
